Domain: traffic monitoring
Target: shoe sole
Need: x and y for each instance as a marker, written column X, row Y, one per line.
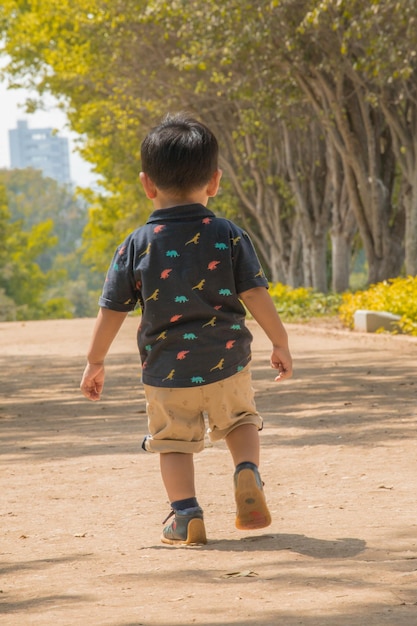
column 196, row 535
column 252, row 510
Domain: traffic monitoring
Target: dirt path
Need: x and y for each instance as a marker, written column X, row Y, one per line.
column 81, row 505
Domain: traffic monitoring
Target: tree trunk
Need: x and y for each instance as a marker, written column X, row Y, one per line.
column 341, row 254
column 343, row 226
column 305, row 156
column 364, row 145
column 402, row 120
column 411, row 231
column 318, row 264
column 253, row 165
column 295, row 276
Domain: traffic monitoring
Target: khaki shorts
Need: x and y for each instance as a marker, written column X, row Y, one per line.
column 177, row 416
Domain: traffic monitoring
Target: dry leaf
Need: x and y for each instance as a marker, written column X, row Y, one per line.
column 245, row 573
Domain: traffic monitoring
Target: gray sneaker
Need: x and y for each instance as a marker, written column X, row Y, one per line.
column 186, row 528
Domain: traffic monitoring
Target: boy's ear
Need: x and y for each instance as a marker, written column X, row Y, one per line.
column 148, row 186
column 214, row 183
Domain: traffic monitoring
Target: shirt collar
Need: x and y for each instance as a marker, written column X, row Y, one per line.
column 185, row 211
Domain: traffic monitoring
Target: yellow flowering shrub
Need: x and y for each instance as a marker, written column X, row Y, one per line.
column 302, row 303
column 397, row 295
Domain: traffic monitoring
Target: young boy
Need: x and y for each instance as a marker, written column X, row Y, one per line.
column 190, row 271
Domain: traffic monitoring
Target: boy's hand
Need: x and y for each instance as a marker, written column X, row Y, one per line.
column 281, row 360
column 92, row 381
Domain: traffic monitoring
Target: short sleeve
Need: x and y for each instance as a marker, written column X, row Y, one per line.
column 119, row 290
column 247, row 267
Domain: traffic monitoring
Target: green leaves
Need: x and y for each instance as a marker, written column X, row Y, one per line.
column 248, row 69
column 41, row 223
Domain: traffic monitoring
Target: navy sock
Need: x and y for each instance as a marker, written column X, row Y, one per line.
column 246, row 465
column 187, row 503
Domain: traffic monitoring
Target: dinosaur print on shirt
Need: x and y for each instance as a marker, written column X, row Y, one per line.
column 170, row 375
column 198, row 380
column 219, row 366
column 211, row 322
column 154, row 296
column 147, row 250
column 200, row 285
column 194, row 239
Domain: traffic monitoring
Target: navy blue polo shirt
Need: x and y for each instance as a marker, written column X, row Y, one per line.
column 186, row 267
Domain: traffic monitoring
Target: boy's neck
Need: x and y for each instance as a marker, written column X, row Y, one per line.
column 166, row 201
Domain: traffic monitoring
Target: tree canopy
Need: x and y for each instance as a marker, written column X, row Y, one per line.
column 314, row 104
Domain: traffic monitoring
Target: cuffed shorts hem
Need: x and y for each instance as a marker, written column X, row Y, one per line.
column 217, row 434
column 162, row 446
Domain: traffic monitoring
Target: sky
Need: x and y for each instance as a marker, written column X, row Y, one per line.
column 12, row 110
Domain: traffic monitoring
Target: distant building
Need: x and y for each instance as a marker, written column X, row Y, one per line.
column 41, row 149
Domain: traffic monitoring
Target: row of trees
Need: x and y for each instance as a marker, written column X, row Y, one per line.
column 41, row 270
column 314, row 103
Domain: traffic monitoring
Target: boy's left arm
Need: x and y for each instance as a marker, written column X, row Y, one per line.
column 261, row 306
column 107, row 326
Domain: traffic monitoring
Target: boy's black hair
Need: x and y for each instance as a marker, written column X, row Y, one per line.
column 180, row 154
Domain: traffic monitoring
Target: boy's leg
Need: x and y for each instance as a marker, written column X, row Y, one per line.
column 187, row 527
column 243, row 443
column 252, row 510
column 177, row 471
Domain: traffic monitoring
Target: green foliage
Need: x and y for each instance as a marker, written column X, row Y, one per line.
column 7, row 307
column 32, row 199
column 56, row 308
column 118, row 67
column 111, row 219
column 301, row 303
column 21, row 277
column 245, row 68
column 75, row 298
column 41, row 273
column 397, row 296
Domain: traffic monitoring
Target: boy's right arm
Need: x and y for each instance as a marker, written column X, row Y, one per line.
column 107, row 326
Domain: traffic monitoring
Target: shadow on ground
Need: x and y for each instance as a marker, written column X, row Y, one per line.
column 41, row 400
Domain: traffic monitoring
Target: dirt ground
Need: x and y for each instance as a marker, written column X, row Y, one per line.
column 81, row 505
